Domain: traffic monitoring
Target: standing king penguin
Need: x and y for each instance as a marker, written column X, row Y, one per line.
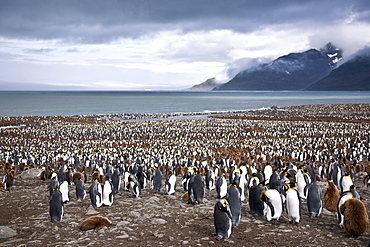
column 256, row 204
column 170, row 184
column 56, row 206
column 80, row 189
column 157, row 180
column 314, row 200
column 222, row 219
column 96, row 194
column 107, row 193
column 196, row 188
column 221, row 186
column 235, row 204
column 293, row 203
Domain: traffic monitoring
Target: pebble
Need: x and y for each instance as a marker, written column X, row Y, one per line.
column 91, row 211
column 123, row 235
column 7, row 232
column 158, row 221
column 122, row 223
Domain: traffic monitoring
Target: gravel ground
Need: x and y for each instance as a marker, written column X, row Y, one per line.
column 157, row 219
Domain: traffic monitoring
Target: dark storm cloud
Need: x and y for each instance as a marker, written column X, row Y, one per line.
column 96, row 21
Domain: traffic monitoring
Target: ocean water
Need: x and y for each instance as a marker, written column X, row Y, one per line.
column 51, row 103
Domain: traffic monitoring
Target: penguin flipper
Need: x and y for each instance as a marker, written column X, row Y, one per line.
column 300, row 203
column 271, row 207
column 305, row 190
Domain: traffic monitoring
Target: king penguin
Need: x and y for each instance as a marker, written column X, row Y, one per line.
column 267, row 172
column 56, row 206
column 186, row 179
column 293, row 203
column 314, row 200
column 134, row 186
column 253, row 180
column 274, row 204
column 235, row 204
column 65, row 191
column 276, row 182
column 170, row 184
column 96, row 194
column 256, row 204
column 222, row 219
column 116, row 180
column 303, row 181
column 80, row 189
column 157, row 180
column 196, row 188
column 141, row 176
column 345, row 182
column 221, row 186
column 107, row 193
column 54, row 184
column 210, row 179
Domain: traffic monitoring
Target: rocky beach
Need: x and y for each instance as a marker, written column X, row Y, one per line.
column 316, row 135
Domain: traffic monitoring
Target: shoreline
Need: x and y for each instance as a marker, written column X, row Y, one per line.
column 318, row 112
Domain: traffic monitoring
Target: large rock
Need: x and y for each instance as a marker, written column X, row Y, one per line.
column 33, row 173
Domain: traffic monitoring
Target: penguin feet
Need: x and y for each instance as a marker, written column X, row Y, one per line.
column 218, row 237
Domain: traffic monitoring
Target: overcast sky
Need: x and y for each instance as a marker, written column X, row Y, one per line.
column 163, row 44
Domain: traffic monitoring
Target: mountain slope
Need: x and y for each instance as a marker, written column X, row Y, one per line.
column 354, row 75
column 205, row 86
column 294, row 71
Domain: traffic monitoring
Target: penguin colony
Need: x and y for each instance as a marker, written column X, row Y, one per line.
column 271, row 166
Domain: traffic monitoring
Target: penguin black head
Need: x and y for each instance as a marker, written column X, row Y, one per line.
column 223, row 205
column 195, row 169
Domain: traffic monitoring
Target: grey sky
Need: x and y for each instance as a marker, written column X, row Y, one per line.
column 164, row 45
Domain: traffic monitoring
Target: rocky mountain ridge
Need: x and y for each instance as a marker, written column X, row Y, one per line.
column 294, row 71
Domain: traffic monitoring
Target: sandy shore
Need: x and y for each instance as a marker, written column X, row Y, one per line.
column 315, row 135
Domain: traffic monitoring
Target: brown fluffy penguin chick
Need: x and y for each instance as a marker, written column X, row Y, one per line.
column 77, row 176
column 356, row 219
column 95, row 175
column 331, row 196
column 95, row 222
column 185, row 197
